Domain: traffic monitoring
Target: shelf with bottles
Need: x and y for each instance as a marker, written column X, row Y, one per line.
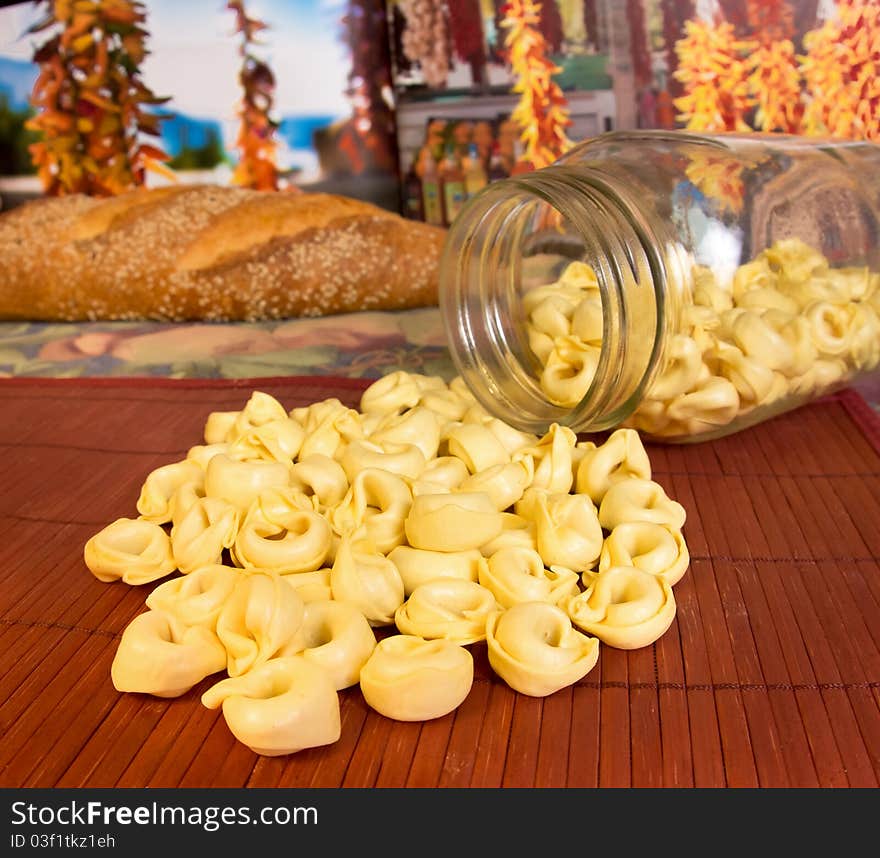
column 457, row 157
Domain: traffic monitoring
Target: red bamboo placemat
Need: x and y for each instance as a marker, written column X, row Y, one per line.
column 769, row 676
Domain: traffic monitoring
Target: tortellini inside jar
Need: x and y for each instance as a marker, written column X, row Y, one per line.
column 742, row 343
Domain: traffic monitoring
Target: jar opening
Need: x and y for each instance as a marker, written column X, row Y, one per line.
column 553, row 294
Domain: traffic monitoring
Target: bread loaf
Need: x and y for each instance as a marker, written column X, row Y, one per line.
column 211, row 253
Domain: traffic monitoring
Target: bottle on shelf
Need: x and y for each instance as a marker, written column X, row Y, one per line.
column 496, row 165
column 413, row 205
column 432, row 204
column 475, row 177
column 452, row 185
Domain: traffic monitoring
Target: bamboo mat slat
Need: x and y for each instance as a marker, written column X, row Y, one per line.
column 768, row 677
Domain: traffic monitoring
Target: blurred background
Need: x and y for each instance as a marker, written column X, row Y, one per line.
column 411, row 104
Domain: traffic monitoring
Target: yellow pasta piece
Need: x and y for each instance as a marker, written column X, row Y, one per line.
column 569, row 371
column 516, row 532
column 624, row 607
column 515, row 575
column 286, row 541
column 260, row 617
column 154, row 503
column 367, row 579
column 552, row 316
column 152, row 659
column 654, row 548
column 452, row 522
column 261, row 408
column 753, row 381
column 793, row 260
column 201, row 454
column 195, row 599
column 405, row 460
column 640, row 500
column 831, row 326
column 198, row 539
column 220, row 426
column 333, row 430
column 280, row 707
column 682, row 366
column 410, row 679
column 441, row 474
column 276, row 441
column 451, row 609
column 476, row 445
column 587, row 323
column 133, row 550
column 621, row 456
column 824, row 375
column 311, row 586
column 504, row 483
column 418, row 566
column 713, row 404
column 239, row 483
column 567, row 530
column 336, row 637
column 552, row 459
column 758, row 339
column 390, row 394
column 417, row 426
column 320, row 478
column 446, row 405
column 534, row 649
column 377, row 501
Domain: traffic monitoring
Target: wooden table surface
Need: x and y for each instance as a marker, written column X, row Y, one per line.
column 769, row 675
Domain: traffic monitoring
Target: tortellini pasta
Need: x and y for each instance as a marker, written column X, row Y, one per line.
column 640, row 500
column 534, row 649
column 296, row 540
column 655, row 548
column 452, row 522
column 133, row 550
column 410, row 679
column 199, row 538
column 298, row 535
column 744, row 343
column 195, row 599
column 240, row 482
column 452, row 609
column 160, row 487
column 367, row 579
column 335, row 636
column 624, row 607
column 418, row 566
column 280, row 707
column 152, row 659
column 515, row 575
column 259, row 618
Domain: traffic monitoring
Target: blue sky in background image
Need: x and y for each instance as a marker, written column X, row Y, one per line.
column 194, row 59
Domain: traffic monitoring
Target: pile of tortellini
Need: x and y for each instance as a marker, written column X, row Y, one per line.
column 786, row 326
column 300, row 535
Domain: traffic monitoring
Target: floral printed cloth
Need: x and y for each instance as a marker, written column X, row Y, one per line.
column 359, row 345
column 354, row 345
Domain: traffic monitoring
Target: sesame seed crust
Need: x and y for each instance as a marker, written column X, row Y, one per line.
column 211, row 253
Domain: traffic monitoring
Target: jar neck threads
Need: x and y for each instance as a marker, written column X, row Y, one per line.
column 518, row 234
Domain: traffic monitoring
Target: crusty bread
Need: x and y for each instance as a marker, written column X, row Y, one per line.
column 213, row 253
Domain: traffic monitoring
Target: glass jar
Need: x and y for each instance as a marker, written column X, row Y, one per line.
column 686, row 285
